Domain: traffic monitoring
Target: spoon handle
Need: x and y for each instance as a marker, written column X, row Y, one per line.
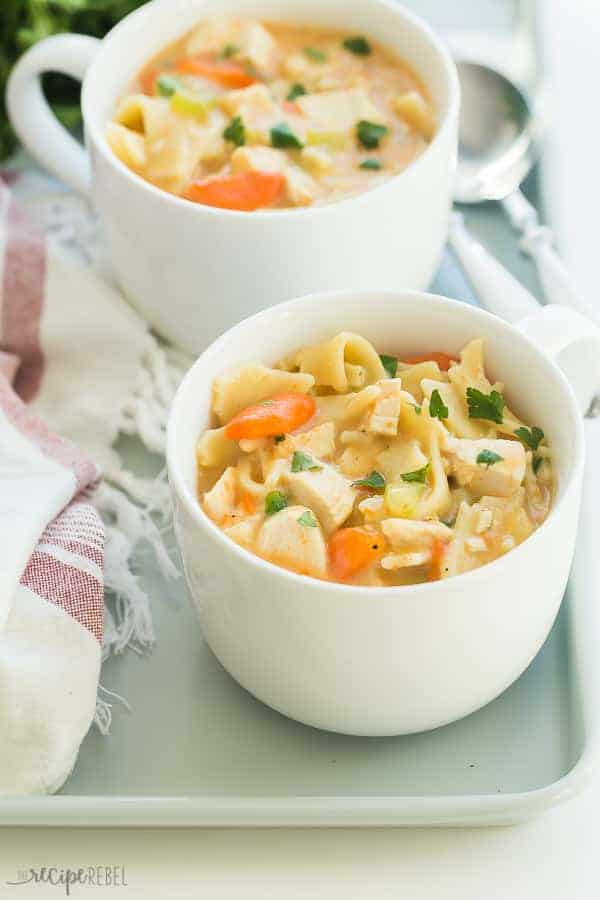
column 538, row 242
column 498, row 290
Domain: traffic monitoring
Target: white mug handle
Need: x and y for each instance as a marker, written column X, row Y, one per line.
column 31, row 116
column 573, row 342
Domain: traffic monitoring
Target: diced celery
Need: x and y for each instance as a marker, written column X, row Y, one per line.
column 336, row 140
column 166, row 84
column 187, row 103
column 403, row 499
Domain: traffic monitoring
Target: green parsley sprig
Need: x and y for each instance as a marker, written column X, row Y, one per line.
column 485, row 406
column 419, row 476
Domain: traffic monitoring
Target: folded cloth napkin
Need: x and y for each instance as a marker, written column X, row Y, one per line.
column 77, row 367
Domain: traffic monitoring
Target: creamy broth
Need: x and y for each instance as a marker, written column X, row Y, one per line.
column 245, row 115
column 346, row 465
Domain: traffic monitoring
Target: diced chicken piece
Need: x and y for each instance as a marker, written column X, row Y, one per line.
column 173, row 161
column 384, row 418
column 251, row 103
column 415, row 110
column 301, row 188
column 500, row 479
column 319, row 442
column 327, row 492
column 245, row 531
column 411, row 560
column 339, row 110
column 284, row 540
column 403, row 532
column 316, row 159
column 258, row 48
column 128, row 145
column 219, row 502
column 258, row 159
column 212, row 35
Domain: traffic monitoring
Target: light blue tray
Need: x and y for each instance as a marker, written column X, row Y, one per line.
column 198, row 750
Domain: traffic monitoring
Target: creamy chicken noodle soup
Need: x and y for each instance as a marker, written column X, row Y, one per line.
column 242, row 115
column 350, row 466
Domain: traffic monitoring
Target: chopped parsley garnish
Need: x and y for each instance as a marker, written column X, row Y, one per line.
column 358, row 45
column 390, row 364
column 167, row 84
column 485, row 406
column 315, row 54
column 284, row 138
column 275, row 501
column 437, row 407
column 229, row 50
column 531, row 439
column 488, row 458
column 235, row 132
column 536, row 463
column 296, row 90
column 375, row 481
column 307, row 519
column 417, row 408
column 419, row 476
column 279, row 438
column 302, row 462
column 372, row 164
column 370, row 133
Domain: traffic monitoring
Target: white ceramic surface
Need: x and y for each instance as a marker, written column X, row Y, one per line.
column 194, row 271
column 376, row 661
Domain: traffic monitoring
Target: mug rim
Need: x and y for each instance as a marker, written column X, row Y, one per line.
column 94, row 133
column 180, row 489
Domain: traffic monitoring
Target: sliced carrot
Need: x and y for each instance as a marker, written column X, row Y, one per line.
column 227, row 74
column 290, row 107
column 148, row 81
column 248, row 502
column 243, row 191
column 280, row 415
column 353, row 549
column 444, row 360
column 438, row 551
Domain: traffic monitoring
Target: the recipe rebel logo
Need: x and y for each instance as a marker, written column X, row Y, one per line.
column 66, row 878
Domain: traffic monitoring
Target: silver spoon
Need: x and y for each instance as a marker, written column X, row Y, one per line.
column 497, row 148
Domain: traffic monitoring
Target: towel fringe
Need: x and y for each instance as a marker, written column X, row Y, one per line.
column 146, row 412
column 127, row 504
column 103, row 714
column 128, row 624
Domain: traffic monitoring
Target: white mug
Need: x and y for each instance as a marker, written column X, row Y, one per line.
column 193, row 270
column 393, row 660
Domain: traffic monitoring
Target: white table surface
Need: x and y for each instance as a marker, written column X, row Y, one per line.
column 555, row 857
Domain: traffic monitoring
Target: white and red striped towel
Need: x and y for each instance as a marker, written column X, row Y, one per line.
column 74, row 361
